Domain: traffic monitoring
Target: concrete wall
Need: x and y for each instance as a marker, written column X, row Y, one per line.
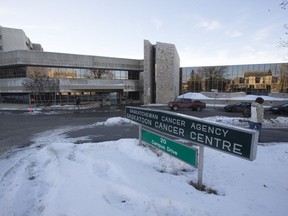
column 37, row 47
column 25, row 57
column 12, row 85
column 148, row 72
column 166, row 72
column 1, row 40
column 14, row 39
column 161, row 72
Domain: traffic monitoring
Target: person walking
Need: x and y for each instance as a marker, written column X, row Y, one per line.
column 78, row 102
column 257, row 115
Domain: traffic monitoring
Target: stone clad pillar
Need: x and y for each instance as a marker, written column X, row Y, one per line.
column 161, row 72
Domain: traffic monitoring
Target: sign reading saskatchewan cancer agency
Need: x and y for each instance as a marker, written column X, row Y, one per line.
column 233, row 140
column 184, row 153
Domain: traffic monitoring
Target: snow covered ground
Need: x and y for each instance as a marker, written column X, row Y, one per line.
column 54, row 176
column 200, row 96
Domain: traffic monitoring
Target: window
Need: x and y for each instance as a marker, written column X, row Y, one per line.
column 241, row 80
column 257, row 79
column 13, row 72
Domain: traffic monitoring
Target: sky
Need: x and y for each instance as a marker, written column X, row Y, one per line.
column 221, row 32
column 56, row 176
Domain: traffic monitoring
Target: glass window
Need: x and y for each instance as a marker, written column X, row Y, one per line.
column 252, row 79
column 263, row 67
column 257, row 79
column 13, row 72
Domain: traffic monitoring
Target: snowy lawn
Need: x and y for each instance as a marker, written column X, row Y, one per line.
column 57, row 177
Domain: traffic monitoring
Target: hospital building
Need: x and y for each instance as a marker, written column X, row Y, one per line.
column 28, row 74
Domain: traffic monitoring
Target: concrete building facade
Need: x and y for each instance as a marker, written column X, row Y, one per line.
column 16, row 39
column 92, row 78
column 89, row 77
column 161, row 72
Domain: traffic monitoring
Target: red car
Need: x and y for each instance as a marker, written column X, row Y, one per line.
column 180, row 103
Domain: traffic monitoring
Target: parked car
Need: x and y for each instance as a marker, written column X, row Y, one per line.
column 243, row 107
column 281, row 109
column 181, row 103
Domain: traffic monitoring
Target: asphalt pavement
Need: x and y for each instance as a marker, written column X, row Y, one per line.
column 17, row 128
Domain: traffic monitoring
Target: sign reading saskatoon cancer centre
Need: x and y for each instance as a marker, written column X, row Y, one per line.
column 236, row 141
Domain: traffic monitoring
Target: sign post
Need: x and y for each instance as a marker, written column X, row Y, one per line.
column 140, row 134
column 239, row 142
column 233, row 140
column 200, row 166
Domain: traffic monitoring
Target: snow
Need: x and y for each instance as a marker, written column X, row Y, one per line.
column 55, row 176
column 199, row 96
column 193, row 95
column 279, row 122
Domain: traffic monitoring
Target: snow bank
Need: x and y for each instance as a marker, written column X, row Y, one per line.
column 57, row 177
column 193, row 95
column 199, row 96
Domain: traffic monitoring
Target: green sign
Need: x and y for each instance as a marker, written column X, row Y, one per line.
column 184, row 153
column 229, row 139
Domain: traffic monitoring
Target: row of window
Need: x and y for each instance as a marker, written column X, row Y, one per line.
column 259, row 77
column 233, row 71
column 262, row 77
column 55, row 72
column 12, row 72
column 67, row 97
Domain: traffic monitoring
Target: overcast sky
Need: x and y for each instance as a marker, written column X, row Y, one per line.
column 210, row 32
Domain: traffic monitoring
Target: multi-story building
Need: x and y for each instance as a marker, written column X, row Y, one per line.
column 16, row 39
column 30, row 75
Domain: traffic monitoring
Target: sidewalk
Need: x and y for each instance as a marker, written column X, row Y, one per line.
column 22, row 108
column 8, row 106
column 28, row 107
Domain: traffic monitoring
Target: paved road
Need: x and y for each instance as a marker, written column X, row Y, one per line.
column 18, row 128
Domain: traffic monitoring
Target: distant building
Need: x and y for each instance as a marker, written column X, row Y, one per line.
column 30, row 75
column 259, row 79
column 15, row 39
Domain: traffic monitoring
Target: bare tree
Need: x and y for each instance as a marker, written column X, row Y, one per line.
column 283, row 78
column 284, row 42
column 101, row 74
column 195, row 82
column 42, row 87
column 284, row 4
column 214, row 77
